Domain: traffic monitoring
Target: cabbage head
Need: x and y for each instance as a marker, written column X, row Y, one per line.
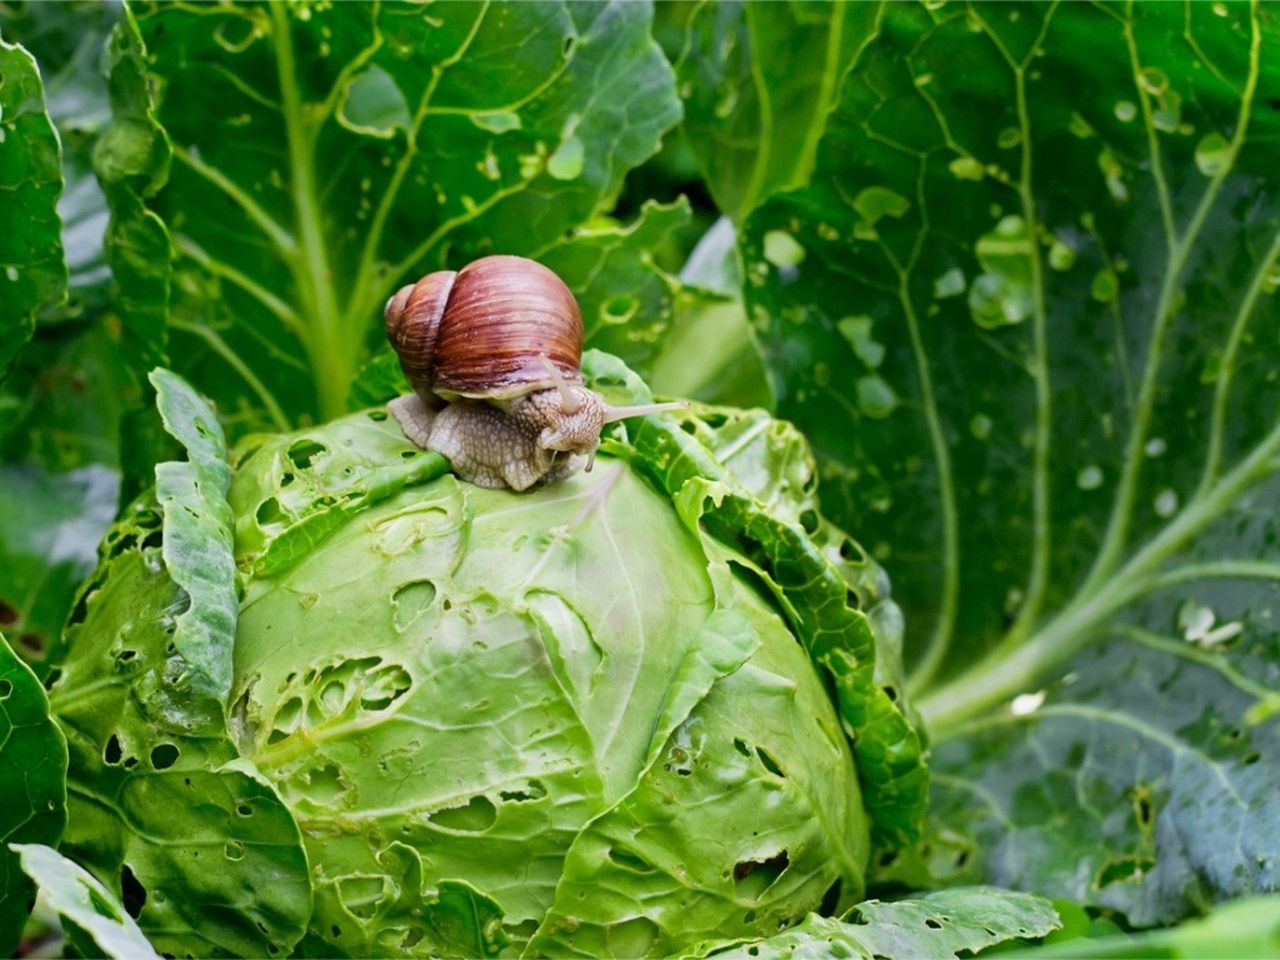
column 624, row 715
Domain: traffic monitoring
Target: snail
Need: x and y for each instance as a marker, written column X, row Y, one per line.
column 493, row 353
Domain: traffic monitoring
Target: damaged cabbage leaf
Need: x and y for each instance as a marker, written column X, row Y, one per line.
column 33, row 787
column 948, row 923
column 198, row 535
column 360, row 146
column 92, row 917
column 469, row 709
column 1022, row 310
column 819, row 577
column 609, row 698
column 200, row 849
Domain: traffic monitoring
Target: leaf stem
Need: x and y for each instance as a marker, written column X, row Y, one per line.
column 332, row 355
column 1005, row 672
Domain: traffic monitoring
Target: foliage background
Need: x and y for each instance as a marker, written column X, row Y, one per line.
column 1011, row 268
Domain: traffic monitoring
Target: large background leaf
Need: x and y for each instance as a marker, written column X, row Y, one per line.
column 33, row 274
column 757, row 80
column 33, row 785
column 323, row 156
column 63, row 397
column 1023, row 310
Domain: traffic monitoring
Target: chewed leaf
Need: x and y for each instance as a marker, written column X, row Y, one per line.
column 33, row 785
column 809, row 586
column 198, row 534
column 33, row 273
column 950, row 923
column 1070, row 303
column 94, row 919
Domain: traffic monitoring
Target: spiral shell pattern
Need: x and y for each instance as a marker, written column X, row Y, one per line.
column 482, row 332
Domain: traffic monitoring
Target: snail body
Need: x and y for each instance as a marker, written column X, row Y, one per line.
column 493, row 353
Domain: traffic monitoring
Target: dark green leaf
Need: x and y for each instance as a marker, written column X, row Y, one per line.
column 67, row 40
column 200, row 849
column 33, row 273
column 627, row 301
column 758, row 80
column 949, row 923
column 1023, row 311
column 131, row 159
column 33, row 786
column 198, row 535
column 325, row 155
column 94, row 920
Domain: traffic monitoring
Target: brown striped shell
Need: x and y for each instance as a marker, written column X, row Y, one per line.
column 482, row 332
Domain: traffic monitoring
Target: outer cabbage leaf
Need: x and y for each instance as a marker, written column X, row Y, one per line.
column 33, row 273
column 758, row 80
column 33, row 786
column 948, row 923
column 1240, row 930
column 201, row 851
column 1021, row 310
column 94, row 920
column 628, row 701
column 360, row 146
column 816, row 596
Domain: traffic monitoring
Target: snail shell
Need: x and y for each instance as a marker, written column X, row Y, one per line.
column 483, row 331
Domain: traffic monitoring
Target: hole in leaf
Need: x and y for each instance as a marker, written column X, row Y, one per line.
column 749, row 917
column 741, row 746
column 8, row 614
column 245, row 810
column 269, row 512
column 233, row 850
column 411, row 600
column 809, row 520
column 769, row 762
column 831, row 899
column 304, row 452
column 1251, row 758
column 111, row 753
column 1124, row 868
column 413, row 937
column 6, row 688
column 164, row 756
column 534, row 790
column 932, row 924
column 132, row 893
column 476, row 816
column 753, row 877
column 378, row 416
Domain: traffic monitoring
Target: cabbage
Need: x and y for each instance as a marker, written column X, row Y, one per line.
column 613, row 716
